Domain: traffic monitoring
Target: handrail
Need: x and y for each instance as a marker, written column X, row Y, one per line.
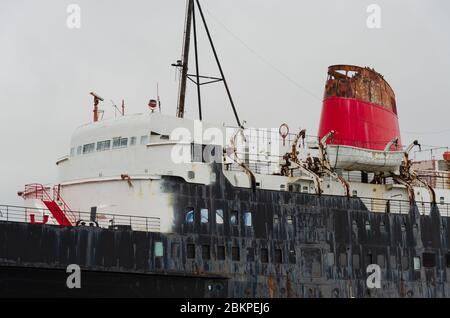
column 14, row 213
column 57, row 197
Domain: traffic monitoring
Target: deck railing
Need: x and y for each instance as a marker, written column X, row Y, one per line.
column 14, row 213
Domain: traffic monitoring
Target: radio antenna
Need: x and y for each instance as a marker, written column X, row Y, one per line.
column 157, row 96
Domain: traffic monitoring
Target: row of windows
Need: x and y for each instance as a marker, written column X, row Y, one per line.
column 234, row 219
column 204, row 216
column 428, row 259
column 221, row 254
column 116, row 143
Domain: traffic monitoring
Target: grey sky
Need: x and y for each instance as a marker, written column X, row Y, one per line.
column 125, row 47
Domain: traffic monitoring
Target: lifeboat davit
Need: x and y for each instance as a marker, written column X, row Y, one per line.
column 359, row 106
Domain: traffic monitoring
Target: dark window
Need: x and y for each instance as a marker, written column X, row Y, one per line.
column 381, row 261
column 190, row 249
column 221, row 252
column 289, row 219
column 429, row 259
column 356, row 261
column 264, row 255
column 175, row 248
column 393, row 261
column 206, row 252
column 343, row 259
column 278, row 256
column 369, row 259
column 447, row 260
column 250, row 254
column 235, row 256
column 292, row 258
column 405, row 263
column 234, row 218
column 276, row 219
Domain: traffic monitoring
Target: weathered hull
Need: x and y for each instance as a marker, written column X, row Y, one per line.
column 317, row 246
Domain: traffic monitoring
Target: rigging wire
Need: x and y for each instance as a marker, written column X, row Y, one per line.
column 264, row 60
column 426, row 132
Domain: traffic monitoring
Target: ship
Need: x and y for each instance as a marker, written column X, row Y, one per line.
column 152, row 205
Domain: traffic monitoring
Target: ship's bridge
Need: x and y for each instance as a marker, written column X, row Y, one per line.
column 133, row 145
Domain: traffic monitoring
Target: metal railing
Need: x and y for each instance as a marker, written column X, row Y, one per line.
column 14, row 213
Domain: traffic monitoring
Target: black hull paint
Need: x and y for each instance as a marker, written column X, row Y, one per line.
column 320, row 247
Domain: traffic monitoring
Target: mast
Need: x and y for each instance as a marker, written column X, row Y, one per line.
column 185, row 57
column 196, row 78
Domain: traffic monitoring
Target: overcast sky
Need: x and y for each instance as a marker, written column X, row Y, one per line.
column 275, row 54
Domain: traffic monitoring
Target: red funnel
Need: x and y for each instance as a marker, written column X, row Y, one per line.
column 359, row 105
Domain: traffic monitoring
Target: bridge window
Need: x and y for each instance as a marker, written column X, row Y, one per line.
column 429, row 259
column 103, row 145
column 221, row 252
column 190, row 250
column 72, row 152
column 132, row 141
column 190, row 215
column 159, row 250
column 144, row 140
column 204, row 216
column 248, row 218
column 219, row 216
column 119, row 142
column 79, row 150
column 88, row 148
column 234, row 218
column 206, row 252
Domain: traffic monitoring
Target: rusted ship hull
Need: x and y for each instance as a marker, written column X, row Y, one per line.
column 300, row 245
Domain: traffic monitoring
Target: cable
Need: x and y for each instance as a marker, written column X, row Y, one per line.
column 426, row 133
column 287, row 77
